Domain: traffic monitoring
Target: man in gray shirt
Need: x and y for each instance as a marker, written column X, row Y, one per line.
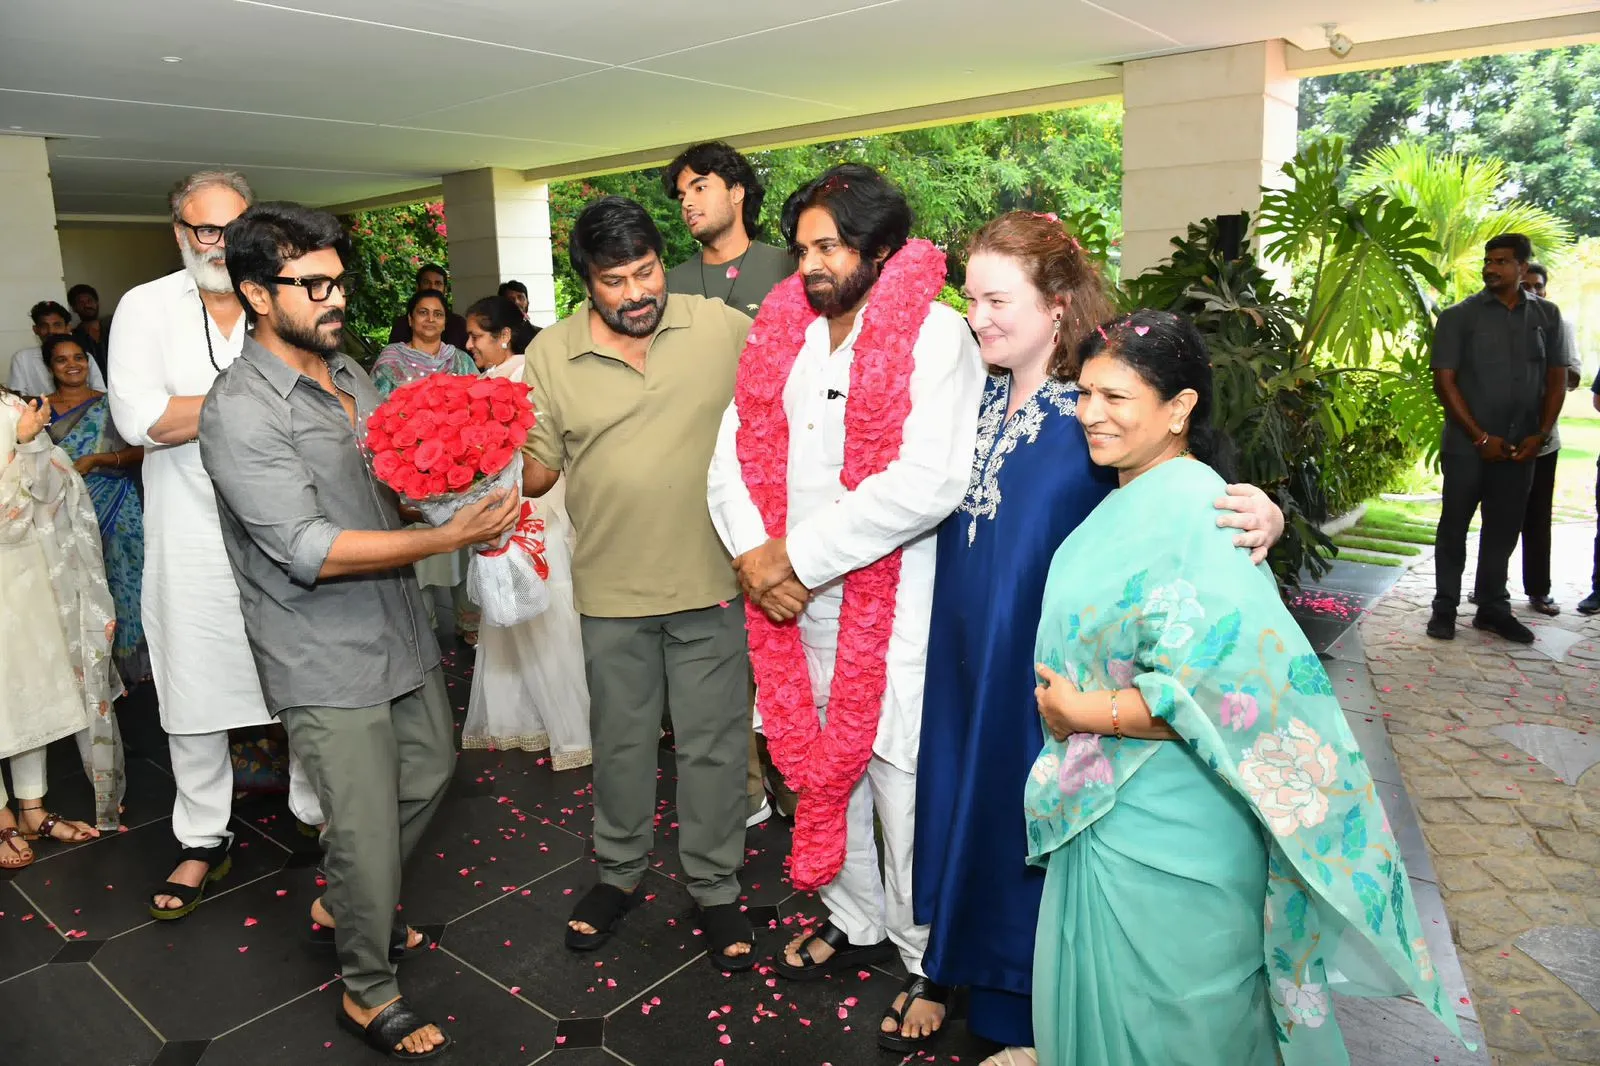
column 331, row 608
column 1541, row 497
column 1500, row 372
column 720, row 197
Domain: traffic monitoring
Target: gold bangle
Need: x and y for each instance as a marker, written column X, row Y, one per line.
column 1116, row 719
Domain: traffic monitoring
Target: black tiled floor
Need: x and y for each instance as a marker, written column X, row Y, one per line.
column 103, row 887
column 477, row 851
column 26, row 938
column 518, row 942
column 487, row 1025
column 504, row 862
column 213, row 970
column 68, row 1014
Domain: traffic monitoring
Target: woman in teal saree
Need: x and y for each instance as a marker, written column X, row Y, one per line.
column 1217, row 861
column 80, row 424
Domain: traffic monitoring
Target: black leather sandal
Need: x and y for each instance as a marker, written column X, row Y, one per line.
column 846, row 956
column 726, row 925
column 322, row 936
column 916, row 987
column 219, row 861
column 392, row 1025
column 601, row 908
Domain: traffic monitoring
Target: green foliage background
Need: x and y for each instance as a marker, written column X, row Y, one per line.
column 1327, row 387
column 389, row 243
column 1538, row 112
column 956, row 177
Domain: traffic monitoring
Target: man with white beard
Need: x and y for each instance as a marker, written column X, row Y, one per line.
column 173, row 336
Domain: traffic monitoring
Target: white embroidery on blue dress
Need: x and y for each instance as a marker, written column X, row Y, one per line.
column 998, row 437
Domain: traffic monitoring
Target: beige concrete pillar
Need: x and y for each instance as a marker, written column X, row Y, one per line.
column 30, row 270
column 1201, row 133
column 499, row 229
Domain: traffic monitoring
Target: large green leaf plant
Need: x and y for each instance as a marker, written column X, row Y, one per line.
column 1301, row 372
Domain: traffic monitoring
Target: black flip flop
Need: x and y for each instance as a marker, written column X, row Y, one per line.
column 726, row 925
column 601, row 908
column 393, row 1024
column 916, row 987
column 322, row 936
column 846, row 956
column 190, row 896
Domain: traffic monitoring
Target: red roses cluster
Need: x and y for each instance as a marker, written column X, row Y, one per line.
column 438, row 435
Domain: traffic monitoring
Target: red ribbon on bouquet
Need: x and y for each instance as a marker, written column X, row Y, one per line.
column 528, row 536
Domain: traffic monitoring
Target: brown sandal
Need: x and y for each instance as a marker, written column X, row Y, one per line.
column 8, row 836
column 47, row 828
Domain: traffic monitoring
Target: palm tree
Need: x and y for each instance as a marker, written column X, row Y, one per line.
column 1463, row 202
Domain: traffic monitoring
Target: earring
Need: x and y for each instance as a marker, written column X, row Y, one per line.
column 1176, row 429
column 503, row 344
column 1055, row 336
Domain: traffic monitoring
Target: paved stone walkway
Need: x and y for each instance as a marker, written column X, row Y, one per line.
column 1492, row 740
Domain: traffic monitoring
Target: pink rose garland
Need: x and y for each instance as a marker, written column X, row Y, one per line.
column 824, row 764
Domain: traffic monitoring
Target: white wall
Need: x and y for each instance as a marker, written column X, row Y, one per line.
column 30, row 269
column 1201, row 133
column 114, row 257
column 499, row 228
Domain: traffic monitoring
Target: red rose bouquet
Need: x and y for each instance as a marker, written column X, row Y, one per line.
column 449, row 440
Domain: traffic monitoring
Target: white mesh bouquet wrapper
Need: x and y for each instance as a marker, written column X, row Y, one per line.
column 506, row 581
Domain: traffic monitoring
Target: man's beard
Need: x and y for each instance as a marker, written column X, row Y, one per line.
column 309, row 337
column 839, row 296
column 711, row 234
column 616, row 318
column 208, row 268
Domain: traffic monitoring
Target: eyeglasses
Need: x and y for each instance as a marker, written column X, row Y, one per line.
column 207, row 235
column 319, row 286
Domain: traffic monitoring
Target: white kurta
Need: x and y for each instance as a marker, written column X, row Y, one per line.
column 204, row 674
column 832, row 531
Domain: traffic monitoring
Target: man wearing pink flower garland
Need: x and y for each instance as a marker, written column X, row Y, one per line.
column 850, row 439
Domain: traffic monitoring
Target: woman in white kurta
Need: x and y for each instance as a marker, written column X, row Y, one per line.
column 56, row 625
column 529, row 689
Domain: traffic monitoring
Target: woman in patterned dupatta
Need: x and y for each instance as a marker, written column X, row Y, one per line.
column 400, row 364
column 81, row 426
column 57, row 622
column 1217, row 859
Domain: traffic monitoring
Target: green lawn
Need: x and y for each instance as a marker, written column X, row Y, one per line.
column 1370, row 544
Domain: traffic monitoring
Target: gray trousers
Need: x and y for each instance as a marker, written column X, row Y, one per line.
column 695, row 666
column 380, row 773
column 1501, row 489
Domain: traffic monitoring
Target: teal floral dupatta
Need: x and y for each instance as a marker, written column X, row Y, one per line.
column 1149, row 593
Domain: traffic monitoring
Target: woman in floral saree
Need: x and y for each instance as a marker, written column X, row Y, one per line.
column 1217, row 861
column 80, row 425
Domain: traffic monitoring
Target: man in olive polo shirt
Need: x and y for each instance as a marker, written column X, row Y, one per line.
column 631, row 389
column 1500, row 371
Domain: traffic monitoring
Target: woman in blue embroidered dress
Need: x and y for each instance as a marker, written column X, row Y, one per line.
column 80, row 424
column 1217, row 859
column 1032, row 296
